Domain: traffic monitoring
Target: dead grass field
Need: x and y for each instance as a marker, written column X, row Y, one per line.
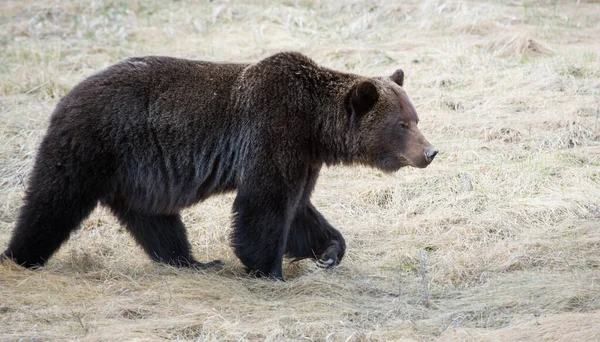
column 498, row 240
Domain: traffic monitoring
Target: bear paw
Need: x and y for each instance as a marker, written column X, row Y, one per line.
column 331, row 257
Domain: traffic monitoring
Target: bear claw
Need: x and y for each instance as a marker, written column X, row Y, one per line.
column 325, row 263
column 331, row 257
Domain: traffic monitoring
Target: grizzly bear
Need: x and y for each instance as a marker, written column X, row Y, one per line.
column 150, row 136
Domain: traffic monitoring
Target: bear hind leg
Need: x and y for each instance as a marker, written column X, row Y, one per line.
column 46, row 220
column 163, row 237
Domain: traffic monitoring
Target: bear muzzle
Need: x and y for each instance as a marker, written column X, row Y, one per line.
column 423, row 158
column 430, row 153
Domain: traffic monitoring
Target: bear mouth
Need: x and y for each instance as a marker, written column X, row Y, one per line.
column 422, row 165
column 393, row 163
column 406, row 162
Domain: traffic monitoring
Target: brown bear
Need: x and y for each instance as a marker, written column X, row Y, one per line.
column 150, row 136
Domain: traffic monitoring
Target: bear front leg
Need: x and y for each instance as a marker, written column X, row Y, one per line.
column 262, row 218
column 311, row 236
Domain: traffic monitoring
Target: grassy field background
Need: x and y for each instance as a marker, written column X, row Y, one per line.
column 499, row 239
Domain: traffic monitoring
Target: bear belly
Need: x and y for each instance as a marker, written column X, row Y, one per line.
column 166, row 190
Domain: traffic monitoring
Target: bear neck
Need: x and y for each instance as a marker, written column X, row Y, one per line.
column 317, row 94
column 335, row 133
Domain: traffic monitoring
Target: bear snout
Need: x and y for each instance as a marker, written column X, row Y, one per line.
column 430, row 153
column 424, row 157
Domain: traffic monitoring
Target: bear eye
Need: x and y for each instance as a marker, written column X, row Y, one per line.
column 403, row 125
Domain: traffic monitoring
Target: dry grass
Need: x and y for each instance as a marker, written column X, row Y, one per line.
column 499, row 239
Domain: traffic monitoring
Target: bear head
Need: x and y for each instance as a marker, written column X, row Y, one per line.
column 385, row 123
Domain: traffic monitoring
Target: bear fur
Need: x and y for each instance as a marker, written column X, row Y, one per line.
column 150, row 136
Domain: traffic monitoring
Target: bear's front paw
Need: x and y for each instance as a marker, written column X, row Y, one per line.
column 331, row 257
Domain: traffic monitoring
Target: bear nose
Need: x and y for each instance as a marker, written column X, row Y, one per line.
column 430, row 153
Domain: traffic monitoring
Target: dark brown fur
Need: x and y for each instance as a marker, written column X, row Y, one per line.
column 150, row 136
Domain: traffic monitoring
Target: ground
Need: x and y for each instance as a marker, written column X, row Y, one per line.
column 499, row 239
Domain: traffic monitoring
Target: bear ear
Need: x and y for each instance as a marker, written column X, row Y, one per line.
column 398, row 77
column 361, row 98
